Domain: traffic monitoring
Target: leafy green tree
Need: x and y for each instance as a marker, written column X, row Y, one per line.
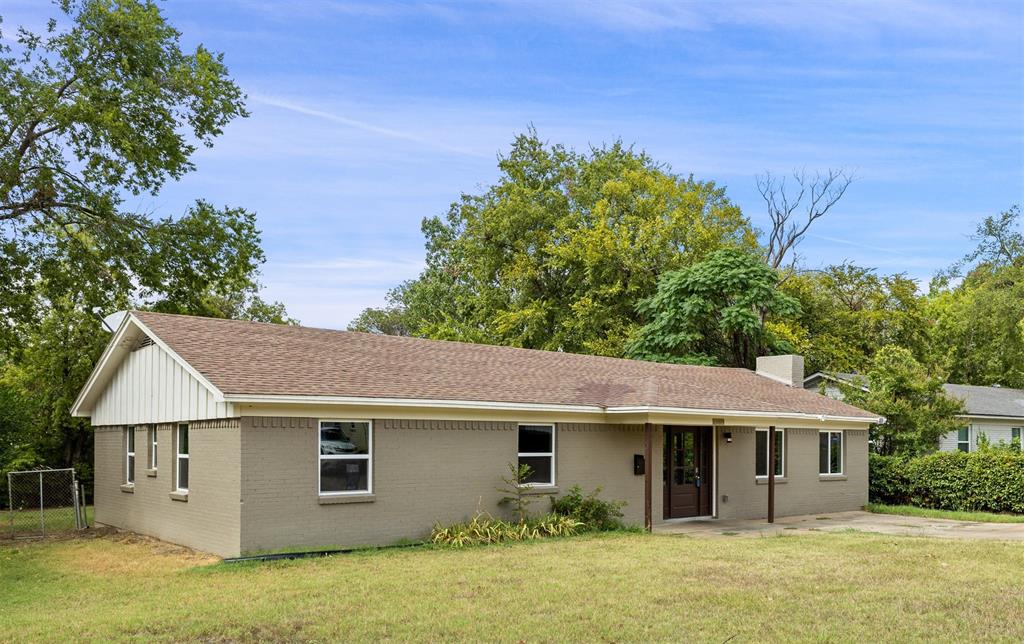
column 978, row 328
column 911, row 398
column 556, row 253
column 107, row 107
column 848, row 312
column 712, row 312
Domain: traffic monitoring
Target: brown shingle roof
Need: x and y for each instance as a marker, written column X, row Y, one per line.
column 266, row 359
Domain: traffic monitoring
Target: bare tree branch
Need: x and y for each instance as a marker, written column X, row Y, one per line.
column 813, row 199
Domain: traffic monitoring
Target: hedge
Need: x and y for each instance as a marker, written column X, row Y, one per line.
column 986, row 481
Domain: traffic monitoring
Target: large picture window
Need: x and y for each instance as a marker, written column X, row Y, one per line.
column 761, row 459
column 830, row 452
column 129, row 455
column 537, row 449
column 345, row 463
column 181, row 458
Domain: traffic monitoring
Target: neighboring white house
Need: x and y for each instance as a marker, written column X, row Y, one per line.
column 997, row 413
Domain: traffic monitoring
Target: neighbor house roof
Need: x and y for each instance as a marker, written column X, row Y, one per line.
column 989, row 401
column 856, row 379
column 248, row 360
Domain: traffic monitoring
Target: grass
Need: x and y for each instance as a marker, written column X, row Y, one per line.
column 928, row 513
column 26, row 522
column 617, row 587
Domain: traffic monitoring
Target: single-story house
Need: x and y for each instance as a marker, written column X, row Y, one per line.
column 997, row 413
column 235, row 437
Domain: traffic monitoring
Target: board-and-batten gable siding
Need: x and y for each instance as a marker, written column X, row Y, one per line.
column 151, row 387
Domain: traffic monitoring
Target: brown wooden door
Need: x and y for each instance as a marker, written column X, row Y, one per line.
column 687, row 472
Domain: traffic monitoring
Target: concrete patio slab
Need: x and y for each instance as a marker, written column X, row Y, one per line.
column 843, row 522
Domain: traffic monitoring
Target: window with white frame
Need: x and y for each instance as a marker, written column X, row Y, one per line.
column 181, row 458
column 830, row 452
column 761, row 457
column 537, row 449
column 345, row 449
column 963, row 439
column 1016, row 437
column 152, row 447
column 129, row 455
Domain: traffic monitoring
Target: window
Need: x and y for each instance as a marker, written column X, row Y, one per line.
column 345, row 464
column 152, row 447
column 963, row 439
column 129, row 452
column 1015, row 437
column 830, row 452
column 761, row 460
column 181, row 457
column 537, row 449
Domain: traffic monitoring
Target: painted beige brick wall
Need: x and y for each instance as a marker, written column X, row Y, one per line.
column 804, row 491
column 424, row 472
column 209, row 520
column 595, row 455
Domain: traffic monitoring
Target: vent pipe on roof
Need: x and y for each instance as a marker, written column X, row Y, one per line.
column 788, row 369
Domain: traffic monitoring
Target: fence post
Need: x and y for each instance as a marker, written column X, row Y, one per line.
column 10, row 502
column 42, row 515
column 85, row 514
column 74, row 500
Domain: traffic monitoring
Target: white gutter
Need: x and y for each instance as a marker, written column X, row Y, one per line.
column 542, row 407
column 990, row 417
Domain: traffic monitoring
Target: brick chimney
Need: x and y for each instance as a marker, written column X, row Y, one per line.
column 788, row 369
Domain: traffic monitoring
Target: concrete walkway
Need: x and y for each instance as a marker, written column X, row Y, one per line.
column 844, row 522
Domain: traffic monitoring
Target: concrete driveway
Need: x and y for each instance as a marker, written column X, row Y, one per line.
column 846, row 521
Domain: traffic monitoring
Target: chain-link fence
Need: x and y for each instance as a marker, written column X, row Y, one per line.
column 44, row 502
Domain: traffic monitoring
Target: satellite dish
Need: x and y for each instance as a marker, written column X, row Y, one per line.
column 113, row 321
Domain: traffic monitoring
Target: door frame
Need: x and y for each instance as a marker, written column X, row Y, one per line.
column 712, row 433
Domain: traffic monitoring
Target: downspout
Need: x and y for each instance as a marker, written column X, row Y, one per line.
column 771, row 474
column 648, row 519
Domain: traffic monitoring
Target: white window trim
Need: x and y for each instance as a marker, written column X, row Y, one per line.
column 179, row 457
column 152, row 447
column 778, row 430
column 967, row 442
column 129, row 455
column 550, row 454
column 842, row 452
column 337, row 457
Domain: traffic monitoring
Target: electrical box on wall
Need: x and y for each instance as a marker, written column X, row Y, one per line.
column 638, row 464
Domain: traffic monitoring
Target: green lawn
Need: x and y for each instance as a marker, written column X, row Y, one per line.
column 26, row 522
column 616, row 587
column 914, row 511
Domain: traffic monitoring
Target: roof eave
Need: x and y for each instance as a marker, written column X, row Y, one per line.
column 482, row 405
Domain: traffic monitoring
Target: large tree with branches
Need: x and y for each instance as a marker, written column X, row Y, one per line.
column 794, row 204
column 104, row 104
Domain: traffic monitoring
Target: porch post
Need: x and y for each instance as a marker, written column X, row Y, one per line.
column 648, row 516
column 771, row 474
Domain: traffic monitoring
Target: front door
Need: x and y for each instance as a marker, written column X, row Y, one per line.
column 687, row 472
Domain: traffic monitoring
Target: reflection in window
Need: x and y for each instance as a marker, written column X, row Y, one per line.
column 345, row 456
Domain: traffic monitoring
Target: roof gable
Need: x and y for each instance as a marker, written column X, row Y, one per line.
column 132, row 336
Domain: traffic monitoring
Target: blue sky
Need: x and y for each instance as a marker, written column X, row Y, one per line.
column 369, row 116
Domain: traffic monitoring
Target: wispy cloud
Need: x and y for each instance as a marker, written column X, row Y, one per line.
column 361, row 125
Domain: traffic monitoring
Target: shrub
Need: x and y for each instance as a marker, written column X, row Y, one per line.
column 484, row 529
column 990, row 480
column 592, row 512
